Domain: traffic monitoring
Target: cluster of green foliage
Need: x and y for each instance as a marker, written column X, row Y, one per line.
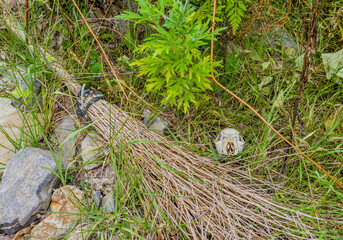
column 175, row 59
column 235, row 10
column 232, row 10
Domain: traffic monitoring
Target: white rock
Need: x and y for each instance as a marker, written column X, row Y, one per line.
column 79, row 234
column 65, row 206
column 67, row 148
column 12, row 124
column 229, row 142
column 92, row 148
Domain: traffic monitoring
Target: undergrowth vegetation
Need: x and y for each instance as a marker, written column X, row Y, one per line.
column 162, row 50
column 173, row 58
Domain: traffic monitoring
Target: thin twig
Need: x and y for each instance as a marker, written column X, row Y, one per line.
column 311, row 34
column 27, row 21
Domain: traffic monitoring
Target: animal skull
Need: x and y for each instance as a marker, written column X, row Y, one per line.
column 229, row 142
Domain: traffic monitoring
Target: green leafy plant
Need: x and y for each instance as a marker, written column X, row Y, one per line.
column 235, row 10
column 205, row 10
column 175, row 58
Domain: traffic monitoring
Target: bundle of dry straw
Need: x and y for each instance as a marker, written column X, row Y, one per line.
column 193, row 190
column 209, row 199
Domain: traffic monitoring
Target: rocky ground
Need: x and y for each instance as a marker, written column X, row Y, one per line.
column 31, row 196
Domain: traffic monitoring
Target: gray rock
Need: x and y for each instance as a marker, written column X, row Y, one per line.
column 278, row 37
column 67, row 149
column 6, row 237
column 97, row 198
column 26, row 188
column 285, row 40
column 153, row 122
column 93, row 148
column 108, row 203
column 35, row 99
column 10, row 76
column 25, row 84
column 123, row 26
column 5, row 82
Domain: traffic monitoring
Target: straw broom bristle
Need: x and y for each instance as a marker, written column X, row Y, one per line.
column 195, row 191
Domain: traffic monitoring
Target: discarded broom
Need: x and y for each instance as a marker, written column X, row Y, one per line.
column 200, row 198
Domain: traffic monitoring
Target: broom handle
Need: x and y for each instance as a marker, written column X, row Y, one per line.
column 57, row 68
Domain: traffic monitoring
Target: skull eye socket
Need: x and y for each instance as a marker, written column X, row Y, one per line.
column 240, row 138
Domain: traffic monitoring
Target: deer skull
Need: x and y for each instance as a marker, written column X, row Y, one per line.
column 229, row 142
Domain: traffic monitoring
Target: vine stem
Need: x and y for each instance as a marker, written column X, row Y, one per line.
column 257, row 114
